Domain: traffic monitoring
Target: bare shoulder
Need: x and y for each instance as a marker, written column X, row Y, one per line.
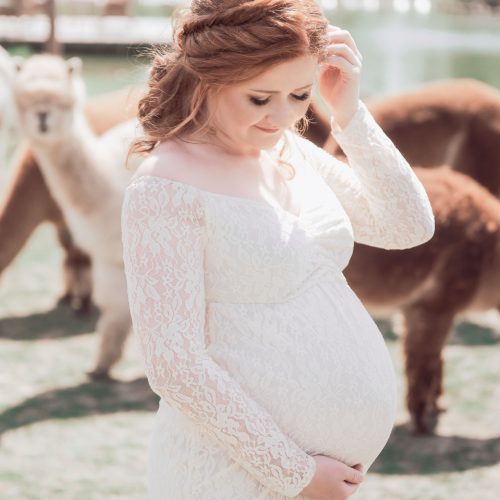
column 170, row 161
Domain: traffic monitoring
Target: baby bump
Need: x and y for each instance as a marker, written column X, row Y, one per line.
column 318, row 364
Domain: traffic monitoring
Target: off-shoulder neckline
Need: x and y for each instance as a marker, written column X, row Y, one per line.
column 239, row 199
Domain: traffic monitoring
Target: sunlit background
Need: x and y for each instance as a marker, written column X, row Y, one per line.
column 404, row 43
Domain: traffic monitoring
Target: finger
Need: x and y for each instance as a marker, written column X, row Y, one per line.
column 359, row 467
column 349, row 489
column 346, row 37
column 340, row 63
column 343, row 35
column 346, row 51
column 353, row 476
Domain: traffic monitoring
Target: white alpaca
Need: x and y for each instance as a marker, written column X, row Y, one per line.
column 7, row 109
column 87, row 177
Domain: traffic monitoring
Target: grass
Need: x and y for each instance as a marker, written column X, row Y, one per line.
column 66, row 438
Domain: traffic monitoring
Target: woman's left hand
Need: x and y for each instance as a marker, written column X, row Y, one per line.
column 340, row 74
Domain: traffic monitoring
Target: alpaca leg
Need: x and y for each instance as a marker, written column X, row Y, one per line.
column 425, row 335
column 19, row 218
column 113, row 327
column 77, row 273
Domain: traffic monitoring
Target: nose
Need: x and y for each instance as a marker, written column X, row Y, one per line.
column 42, row 117
column 282, row 117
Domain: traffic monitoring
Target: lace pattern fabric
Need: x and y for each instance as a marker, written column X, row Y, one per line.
column 385, row 201
column 164, row 238
column 171, row 238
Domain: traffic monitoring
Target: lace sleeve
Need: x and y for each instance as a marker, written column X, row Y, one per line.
column 381, row 194
column 163, row 232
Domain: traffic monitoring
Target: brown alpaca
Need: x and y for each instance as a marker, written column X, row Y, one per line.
column 452, row 122
column 458, row 270
column 456, row 124
column 19, row 219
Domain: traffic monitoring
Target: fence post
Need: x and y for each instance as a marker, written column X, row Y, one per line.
column 52, row 46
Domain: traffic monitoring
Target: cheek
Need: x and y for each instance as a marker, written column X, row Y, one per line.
column 303, row 109
column 241, row 113
column 252, row 115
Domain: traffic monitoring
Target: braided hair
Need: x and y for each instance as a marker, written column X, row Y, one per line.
column 218, row 43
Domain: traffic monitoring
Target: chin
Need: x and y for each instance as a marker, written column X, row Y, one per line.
column 273, row 140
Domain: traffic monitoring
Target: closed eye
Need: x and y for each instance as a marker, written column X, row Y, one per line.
column 262, row 102
column 259, row 102
column 302, row 97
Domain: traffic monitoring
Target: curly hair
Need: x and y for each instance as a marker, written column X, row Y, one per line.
column 218, row 43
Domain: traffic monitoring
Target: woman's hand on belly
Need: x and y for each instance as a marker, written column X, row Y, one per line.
column 333, row 480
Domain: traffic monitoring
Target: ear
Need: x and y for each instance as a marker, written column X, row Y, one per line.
column 74, row 65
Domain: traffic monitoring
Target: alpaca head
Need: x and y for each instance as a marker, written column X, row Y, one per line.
column 49, row 93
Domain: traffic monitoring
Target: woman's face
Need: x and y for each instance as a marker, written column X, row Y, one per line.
column 274, row 100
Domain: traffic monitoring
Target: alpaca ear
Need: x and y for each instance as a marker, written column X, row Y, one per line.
column 74, row 65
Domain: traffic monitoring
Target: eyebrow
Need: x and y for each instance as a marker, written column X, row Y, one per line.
column 277, row 91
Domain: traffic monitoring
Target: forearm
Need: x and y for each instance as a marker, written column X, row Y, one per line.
column 385, row 198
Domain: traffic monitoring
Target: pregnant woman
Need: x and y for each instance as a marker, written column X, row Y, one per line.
column 274, row 380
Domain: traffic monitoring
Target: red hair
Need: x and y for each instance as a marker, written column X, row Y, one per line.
column 218, row 43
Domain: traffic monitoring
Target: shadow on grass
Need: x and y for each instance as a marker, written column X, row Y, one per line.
column 403, row 454
column 90, row 398
column 385, row 327
column 409, row 454
column 57, row 323
column 466, row 333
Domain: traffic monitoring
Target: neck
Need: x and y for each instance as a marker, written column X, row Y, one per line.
column 70, row 167
column 219, row 143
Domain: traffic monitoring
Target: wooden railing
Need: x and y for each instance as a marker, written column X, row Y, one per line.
column 31, row 7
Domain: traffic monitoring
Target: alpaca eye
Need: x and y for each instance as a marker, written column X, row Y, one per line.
column 259, row 102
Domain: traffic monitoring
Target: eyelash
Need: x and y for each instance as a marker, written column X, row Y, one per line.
column 259, row 102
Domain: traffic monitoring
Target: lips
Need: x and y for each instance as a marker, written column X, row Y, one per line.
column 270, row 130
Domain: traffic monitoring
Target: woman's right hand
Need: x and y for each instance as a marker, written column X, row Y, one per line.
column 333, row 480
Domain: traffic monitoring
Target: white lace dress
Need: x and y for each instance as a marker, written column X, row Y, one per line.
column 260, row 351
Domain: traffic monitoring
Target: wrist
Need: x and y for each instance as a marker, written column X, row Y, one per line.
column 308, row 482
column 340, row 122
